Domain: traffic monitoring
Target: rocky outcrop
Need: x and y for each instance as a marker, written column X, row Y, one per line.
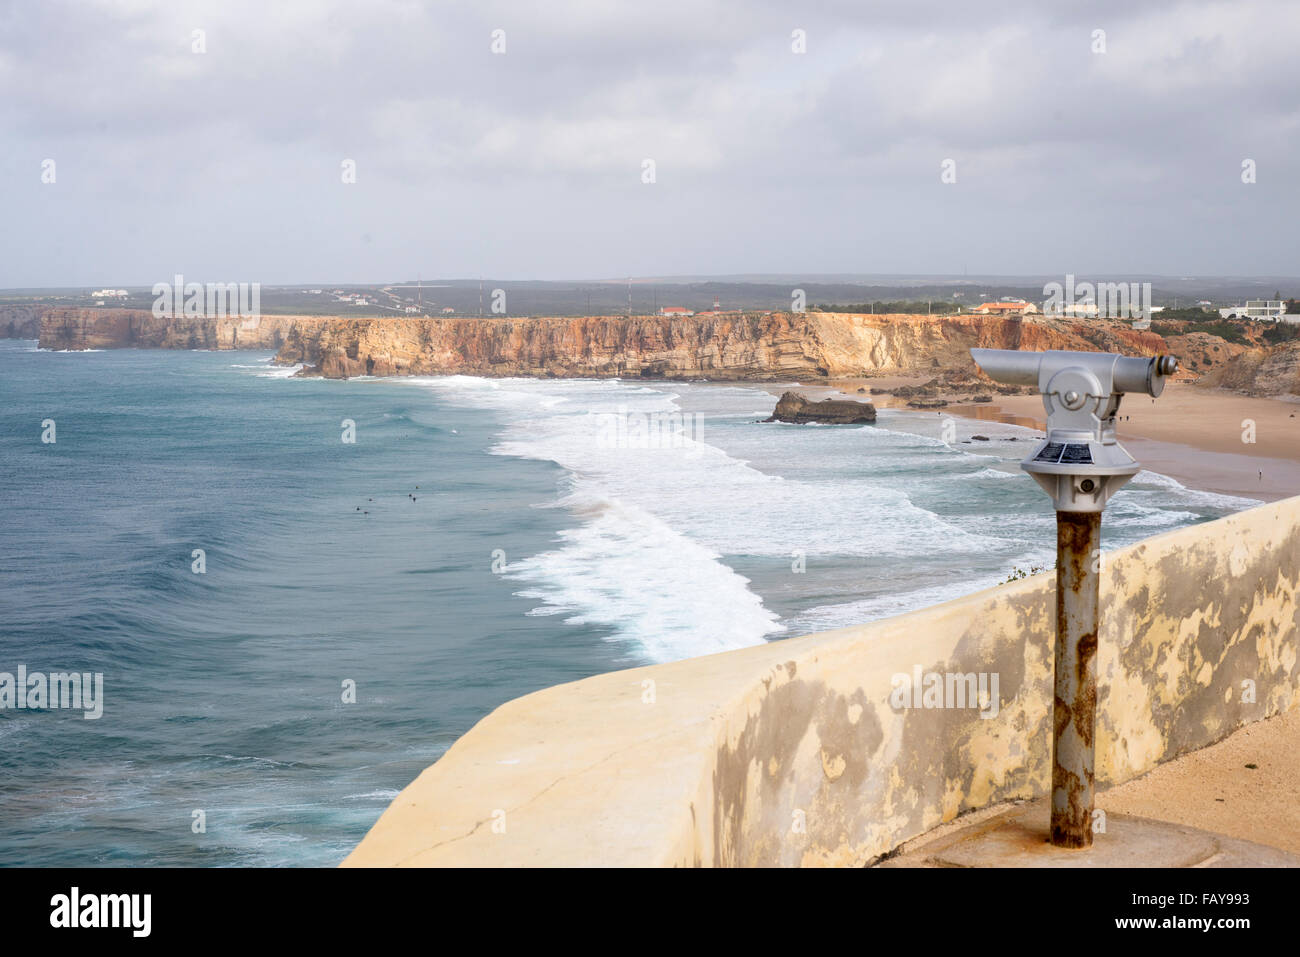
column 752, row 347
column 141, row 329
column 1274, row 371
column 773, row 346
column 758, row 347
column 794, row 407
column 21, row 321
column 1200, row 353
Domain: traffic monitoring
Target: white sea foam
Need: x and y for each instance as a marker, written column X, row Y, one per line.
column 647, row 580
column 845, row 614
column 630, row 573
column 286, row 372
column 658, row 532
column 988, row 473
column 380, row 794
column 267, row 371
column 1216, row 500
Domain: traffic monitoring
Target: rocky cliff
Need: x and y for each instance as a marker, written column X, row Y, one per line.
column 21, row 321
column 141, row 329
column 1274, row 371
column 774, row 346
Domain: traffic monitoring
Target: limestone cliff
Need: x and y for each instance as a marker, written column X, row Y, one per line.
column 1274, row 371
column 774, row 346
column 141, row 329
column 21, row 321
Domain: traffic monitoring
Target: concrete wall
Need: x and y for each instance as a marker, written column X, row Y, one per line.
column 791, row 753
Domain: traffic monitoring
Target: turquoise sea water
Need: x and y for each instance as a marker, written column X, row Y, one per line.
column 223, row 691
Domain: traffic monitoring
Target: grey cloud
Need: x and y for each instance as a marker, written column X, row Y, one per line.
column 528, row 164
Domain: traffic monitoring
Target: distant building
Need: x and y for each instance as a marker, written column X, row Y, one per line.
column 412, row 309
column 108, row 294
column 448, row 310
column 676, row 311
column 1267, row 310
column 1007, row 308
column 1080, row 310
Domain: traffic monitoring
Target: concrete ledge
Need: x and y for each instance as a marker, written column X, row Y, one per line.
column 1020, row 837
column 792, row 753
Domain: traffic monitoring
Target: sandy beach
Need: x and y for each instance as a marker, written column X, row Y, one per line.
column 1200, row 437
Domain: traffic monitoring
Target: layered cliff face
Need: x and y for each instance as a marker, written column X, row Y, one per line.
column 776, row 346
column 21, row 321
column 141, row 329
column 1274, row 371
column 867, row 344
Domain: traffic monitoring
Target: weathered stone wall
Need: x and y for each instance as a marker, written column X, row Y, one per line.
column 713, row 760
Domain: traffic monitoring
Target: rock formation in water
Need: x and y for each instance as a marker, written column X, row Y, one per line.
column 794, row 407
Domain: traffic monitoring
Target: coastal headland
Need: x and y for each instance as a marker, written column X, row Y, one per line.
column 752, row 346
column 1235, row 407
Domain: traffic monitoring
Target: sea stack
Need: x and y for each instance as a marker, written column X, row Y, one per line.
column 794, row 407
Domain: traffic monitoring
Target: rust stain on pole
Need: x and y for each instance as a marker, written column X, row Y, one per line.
column 1074, row 712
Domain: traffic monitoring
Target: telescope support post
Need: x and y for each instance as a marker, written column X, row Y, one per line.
column 1074, row 709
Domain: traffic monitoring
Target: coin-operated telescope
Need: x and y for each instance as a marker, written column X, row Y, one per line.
column 1080, row 465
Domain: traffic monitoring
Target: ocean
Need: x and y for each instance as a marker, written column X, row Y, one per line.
column 291, row 626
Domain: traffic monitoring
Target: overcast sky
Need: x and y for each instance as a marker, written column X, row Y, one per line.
column 226, row 165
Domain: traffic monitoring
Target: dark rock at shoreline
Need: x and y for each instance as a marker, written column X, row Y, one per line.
column 928, row 403
column 794, row 407
column 980, row 438
column 982, row 398
column 933, row 387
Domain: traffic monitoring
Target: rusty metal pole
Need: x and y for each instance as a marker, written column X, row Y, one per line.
column 1080, row 464
column 1074, row 710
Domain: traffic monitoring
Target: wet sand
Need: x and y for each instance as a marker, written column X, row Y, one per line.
column 1200, row 437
